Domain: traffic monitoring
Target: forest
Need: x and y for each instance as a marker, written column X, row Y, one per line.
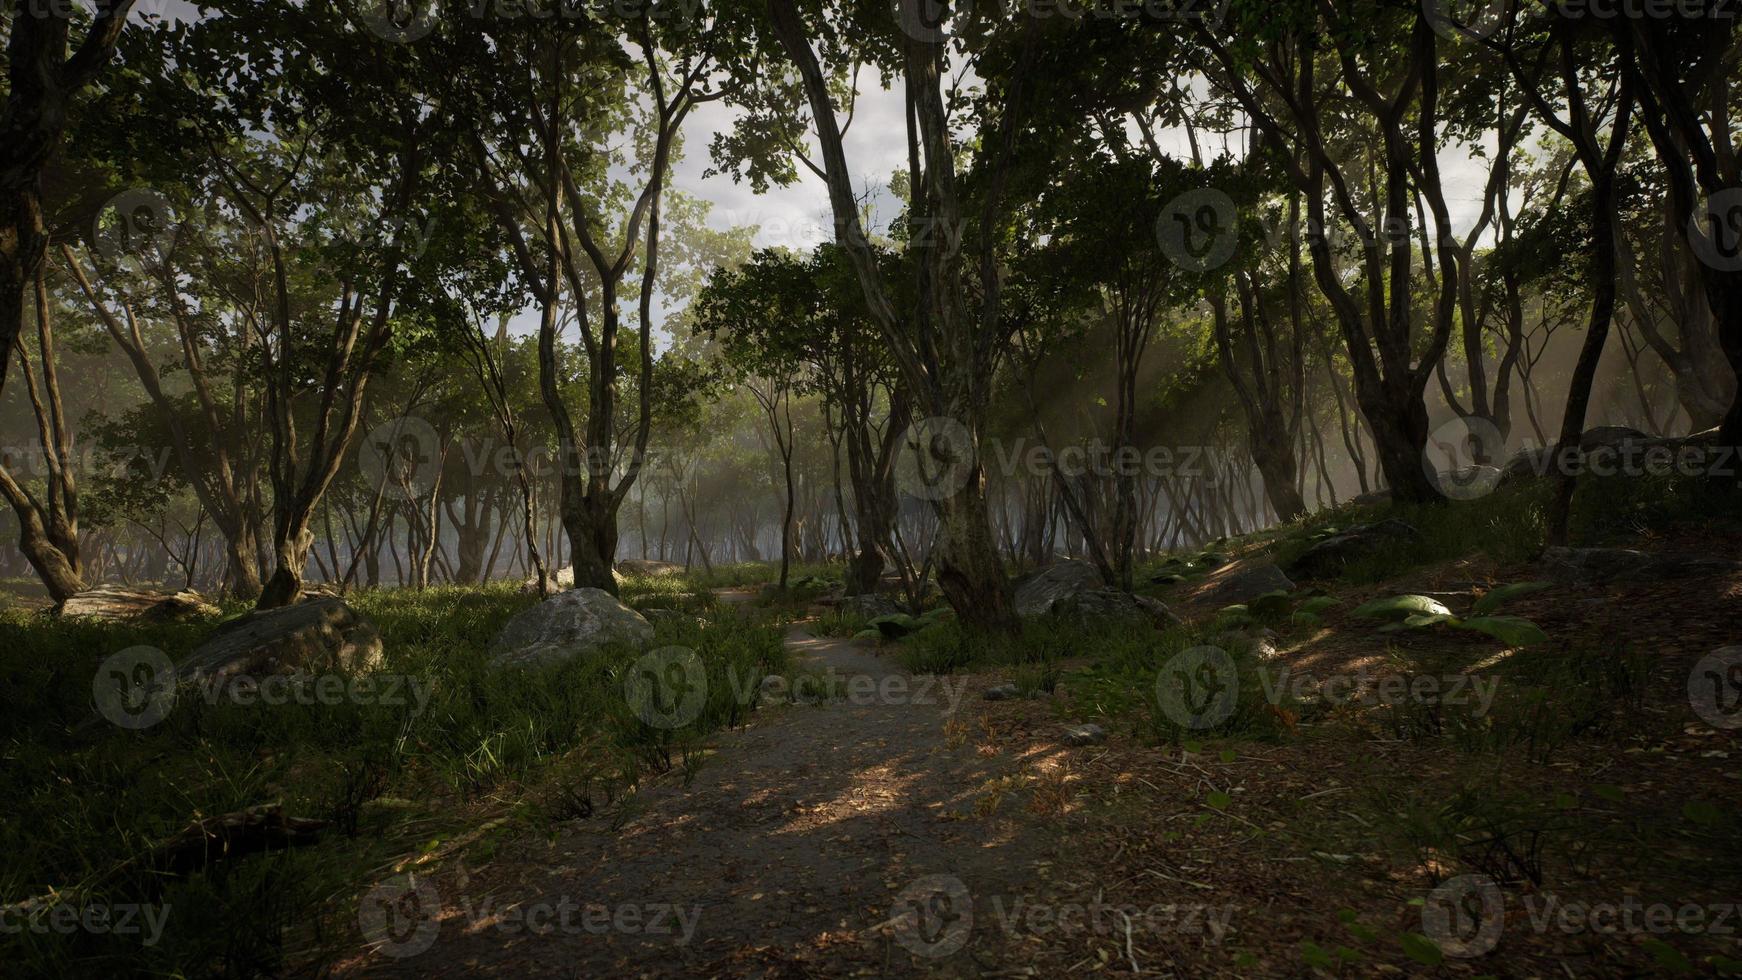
column 799, row 488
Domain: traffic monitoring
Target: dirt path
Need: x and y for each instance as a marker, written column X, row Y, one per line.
column 788, row 854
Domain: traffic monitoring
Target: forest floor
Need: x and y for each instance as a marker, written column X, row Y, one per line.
column 946, row 835
column 788, row 852
column 1566, row 804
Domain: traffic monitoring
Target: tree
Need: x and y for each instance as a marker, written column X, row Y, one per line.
column 43, row 81
column 950, row 345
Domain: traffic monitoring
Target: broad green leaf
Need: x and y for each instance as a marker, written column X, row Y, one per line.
column 1421, row 949
column 1514, row 631
column 1668, row 957
column 1419, row 620
column 1270, row 605
column 1495, row 598
column 1702, row 812
column 1397, row 607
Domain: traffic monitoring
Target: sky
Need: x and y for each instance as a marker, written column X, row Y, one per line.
column 798, row 216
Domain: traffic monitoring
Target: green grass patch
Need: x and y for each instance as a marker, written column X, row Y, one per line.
column 83, row 801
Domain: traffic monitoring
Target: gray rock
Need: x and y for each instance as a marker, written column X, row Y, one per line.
column 1101, row 608
column 569, row 624
column 1073, row 591
column 1249, row 583
column 1037, row 594
column 1003, row 692
column 645, row 567
column 1327, row 557
column 1610, row 435
column 1595, row 566
column 1372, row 498
column 557, row 581
column 1531, row 463
column 1085, row 735
column 868, row 606
column 314, row 636
column 1526, row 464
column 1469, row 482
column 131, row 606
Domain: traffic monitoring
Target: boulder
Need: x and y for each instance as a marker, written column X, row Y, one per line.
column 131, row 606
column 1372, row 498
column 322, row 635
column 1611, row 435
column 1249, row 583
column 1085, row 735
column 566, row 625
column 1073, row 591
column 1101, row 608
column 868, row 606
column 1526, row 464
column 1533, row 462
column 1000, row 692
column 1328, row 556
column 1037, row 594
column 1595, row 566
column 562, row 578
column 1469, row 482
column 645, row 567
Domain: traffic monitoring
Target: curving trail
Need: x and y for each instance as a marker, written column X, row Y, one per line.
column 785, row 856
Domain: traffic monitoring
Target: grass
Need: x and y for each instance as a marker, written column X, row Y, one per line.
column 82, row 801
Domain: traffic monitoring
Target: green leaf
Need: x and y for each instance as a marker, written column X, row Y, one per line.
column 1668, row 957
column 1725, row 965
column 1514, row 631
column 1315, row 955
column 1219, row 799
column 1495, row 598
column 1227, row 755
column 1270, row 605
column 1420, row 620
column 1421, row 949
column 1397, row 607
column 1613, row 794
column 1702, row 812
column 1318, row 603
